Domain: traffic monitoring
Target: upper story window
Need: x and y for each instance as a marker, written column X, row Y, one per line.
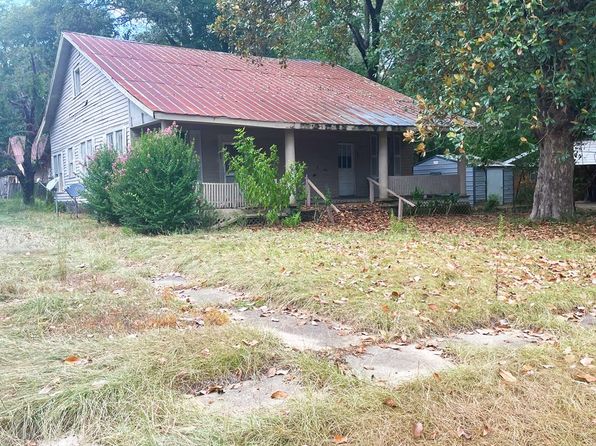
column 76, row 81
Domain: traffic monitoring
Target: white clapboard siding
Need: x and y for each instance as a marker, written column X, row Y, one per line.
column 223, row 195
column 98, row 109
column 430, row 184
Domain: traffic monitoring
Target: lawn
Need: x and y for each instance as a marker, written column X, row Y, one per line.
column 72, row 289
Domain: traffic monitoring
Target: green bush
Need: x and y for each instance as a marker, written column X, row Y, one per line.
column 155, row 188
column 97, row 182
column 256, row 172
column 492, row 203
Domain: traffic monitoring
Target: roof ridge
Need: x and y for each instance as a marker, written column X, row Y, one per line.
column 224, row 53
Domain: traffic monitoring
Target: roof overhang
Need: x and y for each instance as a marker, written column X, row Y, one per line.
column 222, row 120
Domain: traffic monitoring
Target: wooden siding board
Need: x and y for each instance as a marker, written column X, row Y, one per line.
column 99, row 108
column 507, row 185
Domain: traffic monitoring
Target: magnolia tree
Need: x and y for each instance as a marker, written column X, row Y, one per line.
column 534, row 60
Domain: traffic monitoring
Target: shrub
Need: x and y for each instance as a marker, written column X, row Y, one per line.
column 155, row 188
column 97, row 182
column 293, row 220
column 256, row 172
column 492, row 203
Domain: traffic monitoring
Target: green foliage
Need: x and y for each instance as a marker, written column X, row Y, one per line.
column 97, row 182
column 29, row 34
column 257, row 174
column 343, row 31
column 401, row 227
column 155, row 187
column 418, row 194
column 172, row 22
column 492, row 203
column 292, row 220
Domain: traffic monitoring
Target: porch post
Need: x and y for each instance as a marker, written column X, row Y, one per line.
column 462, row 164
column 290, row 154
column 383, row 165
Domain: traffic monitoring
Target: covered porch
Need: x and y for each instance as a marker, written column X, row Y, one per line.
column 342, row 164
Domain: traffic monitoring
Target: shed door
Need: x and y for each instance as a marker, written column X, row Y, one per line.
column 494, row 183
column 345, row 168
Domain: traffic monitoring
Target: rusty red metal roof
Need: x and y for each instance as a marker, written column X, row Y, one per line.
column 182, row 81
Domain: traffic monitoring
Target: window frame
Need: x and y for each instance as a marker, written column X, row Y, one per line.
column 85, row 151
column 222, row 141
column 58, row 169
column 111, row 134
column 76, row 81
column 70, row 161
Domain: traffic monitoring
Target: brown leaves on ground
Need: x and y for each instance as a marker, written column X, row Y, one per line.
column 279, row 395
column 507, row 376
column 214, row 316
column 367, row 217
column 339, row 439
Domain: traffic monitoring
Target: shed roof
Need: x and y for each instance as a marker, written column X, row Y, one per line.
column 184, row 83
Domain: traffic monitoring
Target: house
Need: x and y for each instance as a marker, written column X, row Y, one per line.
column 585, row 170
column 482, row 180
column 345, row 127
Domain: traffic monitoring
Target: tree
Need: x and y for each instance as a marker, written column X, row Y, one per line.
column 323, row 28
column 29, row 36
column 172, row 22
column 498, row 61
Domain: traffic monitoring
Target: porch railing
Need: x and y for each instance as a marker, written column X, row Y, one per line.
column 223, row 195
column 430, row 184
column 310, row 185
column 400, row 200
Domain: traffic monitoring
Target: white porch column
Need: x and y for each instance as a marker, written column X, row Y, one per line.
column 383, row 165
column 290, row 154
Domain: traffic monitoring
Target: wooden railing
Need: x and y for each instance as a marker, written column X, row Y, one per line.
column 309, row 185
column 223, row 195
column 401, row 200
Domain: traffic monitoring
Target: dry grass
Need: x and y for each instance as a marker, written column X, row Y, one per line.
column 71, row 287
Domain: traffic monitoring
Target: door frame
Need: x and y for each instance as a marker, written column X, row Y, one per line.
column 353, row 176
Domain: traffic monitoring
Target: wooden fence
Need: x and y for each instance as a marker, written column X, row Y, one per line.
column 429, row 184
column 223, row 195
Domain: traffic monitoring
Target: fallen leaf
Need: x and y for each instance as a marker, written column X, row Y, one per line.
column 507, row 376
column 271, row 372
column 250, row 343
column 75, row 360
column 485, row 430
column 99, row 383
column 585, row 361
column 585, row 377
column 279, row 395
column 461, row 433
column 433, row 307
column 390, row 402
column 339, row 439
column 436, row 376
column 417, row 429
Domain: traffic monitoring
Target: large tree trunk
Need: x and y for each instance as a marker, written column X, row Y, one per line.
column 28, row 189
column 553, row 196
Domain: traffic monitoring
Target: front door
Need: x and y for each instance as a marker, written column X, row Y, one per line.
column 345, row 168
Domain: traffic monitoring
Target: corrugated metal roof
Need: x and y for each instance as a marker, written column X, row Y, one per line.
column 192, row 82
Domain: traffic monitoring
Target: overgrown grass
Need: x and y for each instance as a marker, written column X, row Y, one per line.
column 71, row 287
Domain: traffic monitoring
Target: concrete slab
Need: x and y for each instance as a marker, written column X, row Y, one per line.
column 299, row 333
column 489, row 338
column 71, row 440
column 248, row 396
column 394, row 366
column 207, row 296
column 171, row 280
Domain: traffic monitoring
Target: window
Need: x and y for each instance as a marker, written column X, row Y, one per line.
column 344, row 158
column 85, row 152
column 76, row 81
column 228, row 147
column 115, row 140
column 57, row 170
column 118, row 142
column 394, row 156
column 70, row 161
